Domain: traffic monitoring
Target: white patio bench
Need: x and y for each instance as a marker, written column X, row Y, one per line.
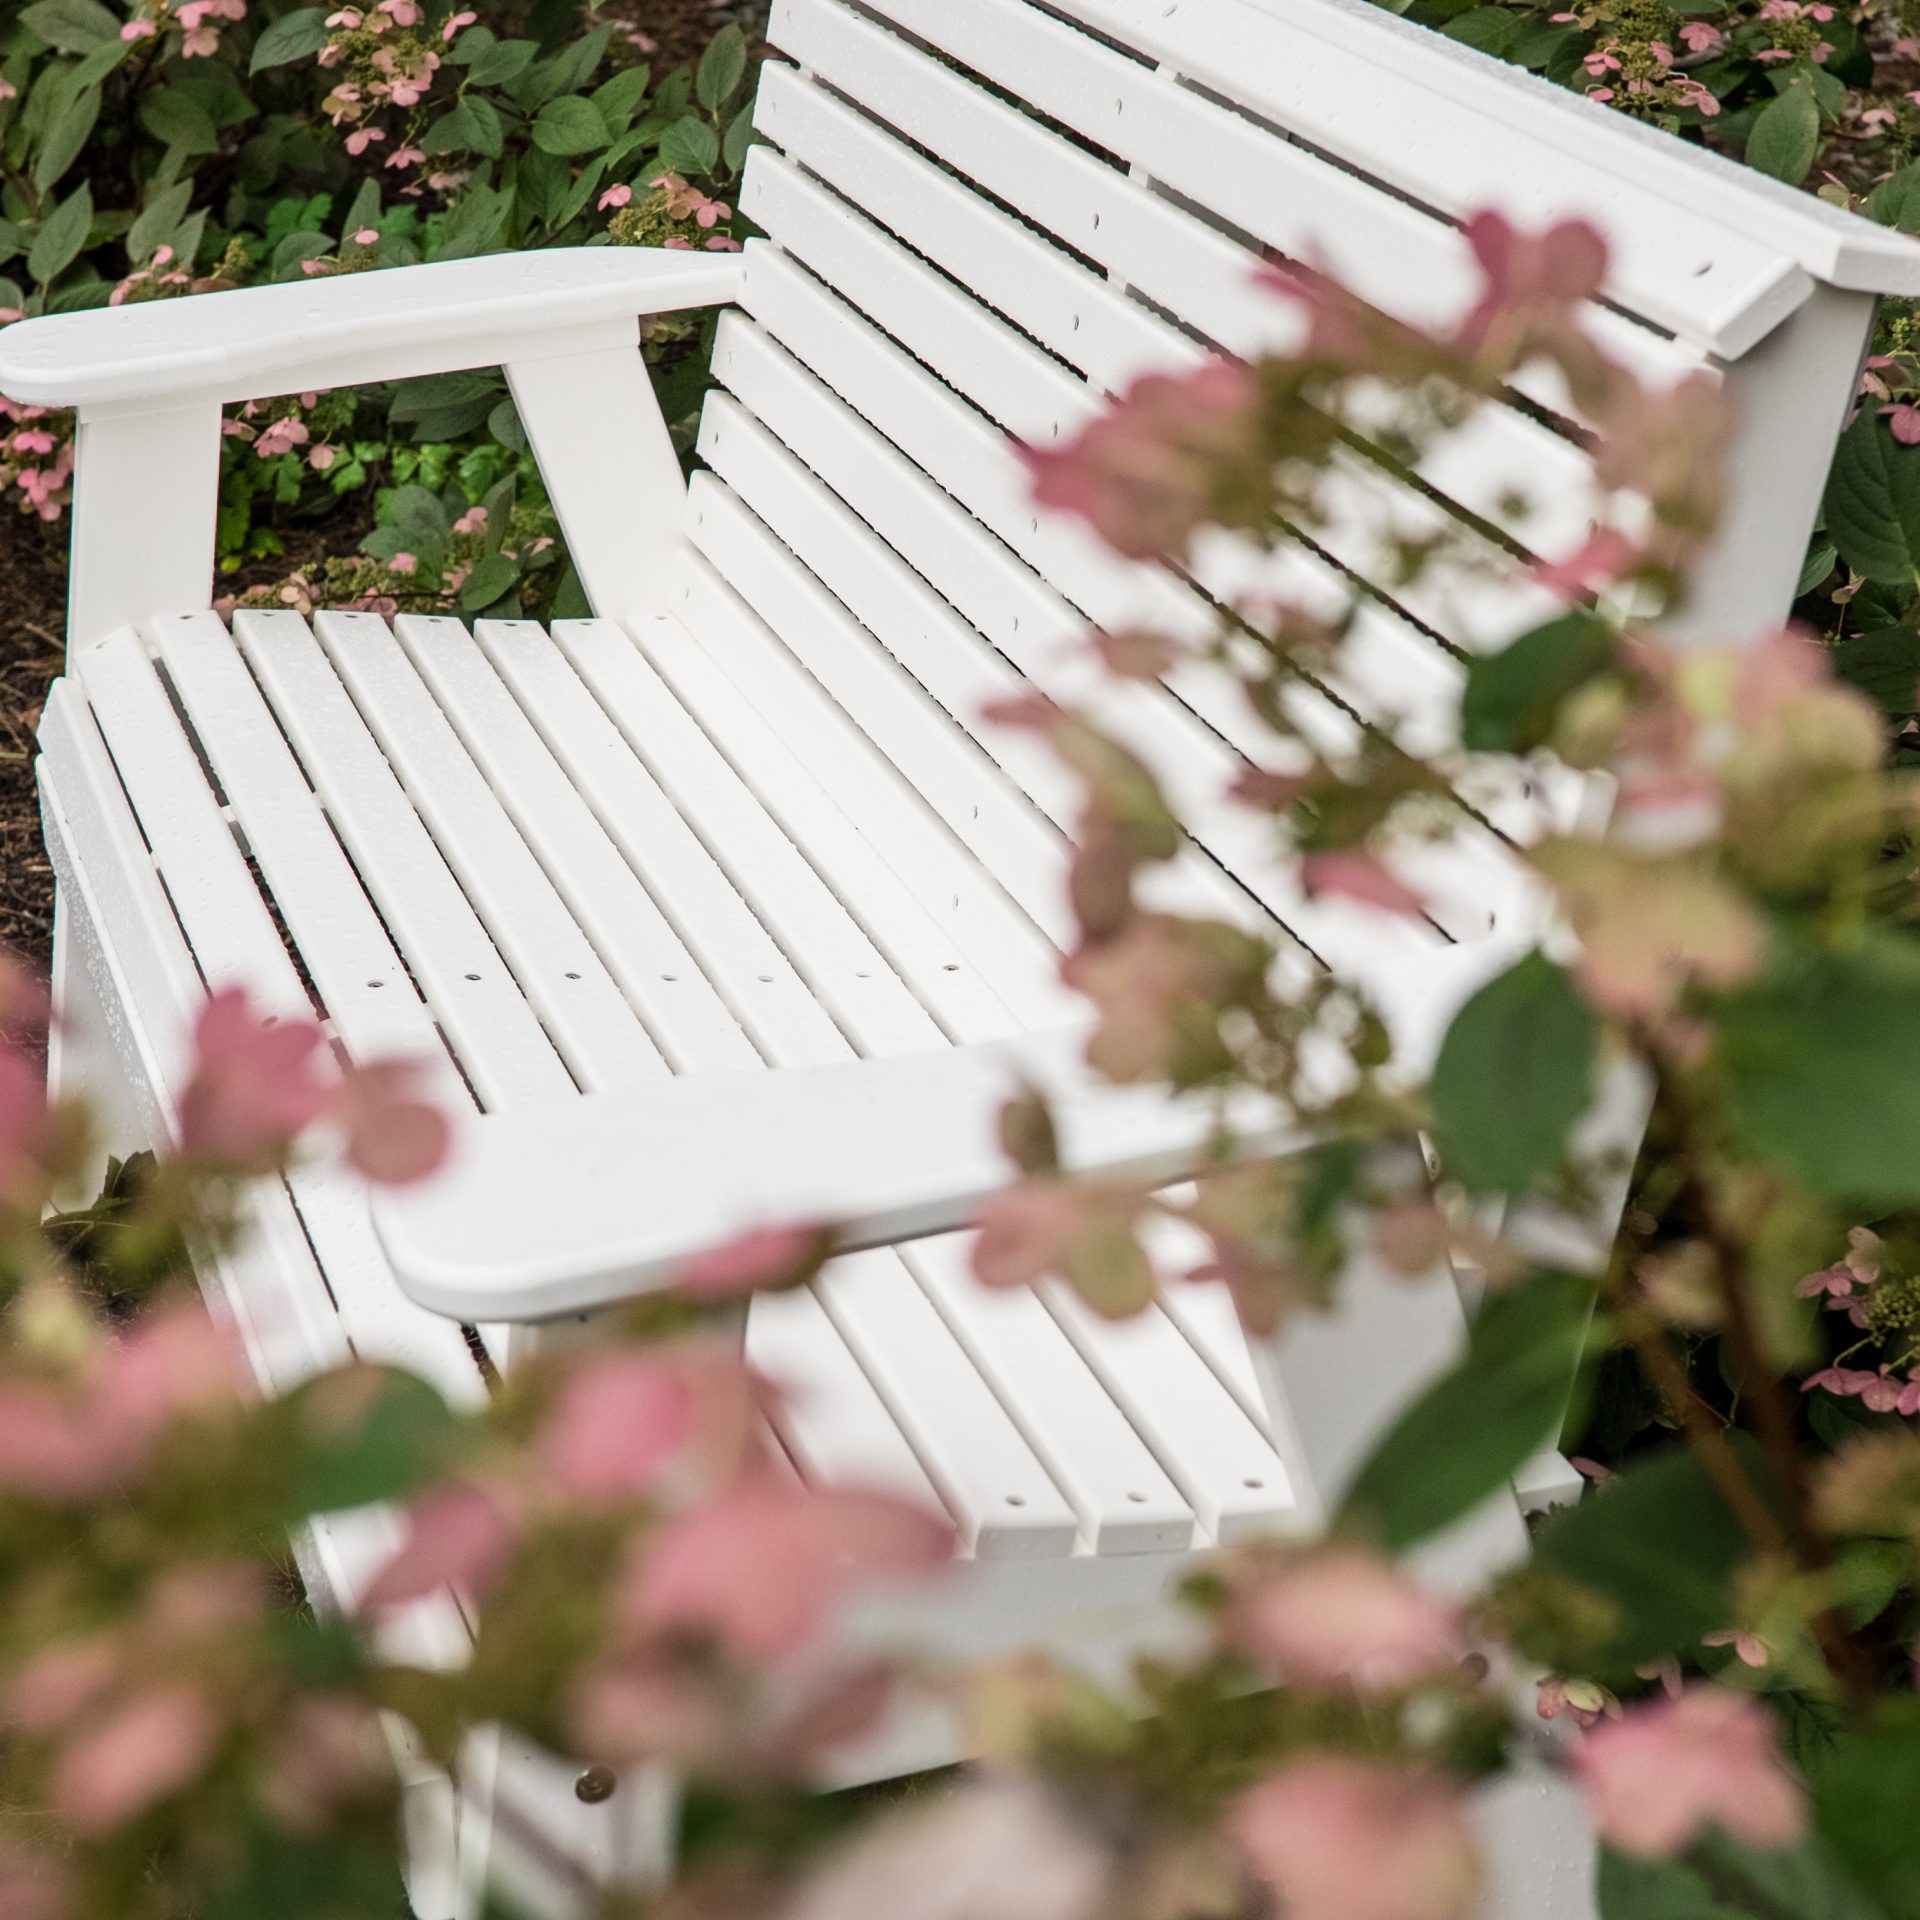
column 748, row 819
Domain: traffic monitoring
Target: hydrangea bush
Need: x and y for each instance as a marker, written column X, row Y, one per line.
column 150, row 151
column 1716, row 1646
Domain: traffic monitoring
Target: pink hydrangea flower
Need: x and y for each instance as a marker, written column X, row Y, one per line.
column 404, row 563
column 458, row 1535
column 1344, row 1839
column 474, row 520
column 1142, row 474
column 459, row 20
column 147, row 1748
column 282, row 436
column 615, row 197
column 405, row 157
column 760, row 1257
column 1342, row 1616
column 1904, row 418
column 760, row 1567
column 365, row 237
column 361, row 139
column 1352, row 873
column 1668, row 1770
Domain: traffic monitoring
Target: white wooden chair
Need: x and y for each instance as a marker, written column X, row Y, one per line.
column 749, row 817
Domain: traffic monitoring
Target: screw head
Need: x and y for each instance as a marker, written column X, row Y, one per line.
column 595, row 1785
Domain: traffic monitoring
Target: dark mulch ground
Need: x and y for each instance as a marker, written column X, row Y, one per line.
column 33, row 610
column 33, row 585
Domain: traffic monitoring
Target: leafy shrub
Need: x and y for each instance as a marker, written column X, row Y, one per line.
column 164, row 150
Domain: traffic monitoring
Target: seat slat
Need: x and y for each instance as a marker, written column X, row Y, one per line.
column 1225, row 1466
column 597, row 1033
column 1126, row 1500
column 833, row 1423
column 1008, row 1505
column 820, row 941
column 687, row 1020
column 502, row 1048
column 853, row 837
column 1716, row 289
column 234, row 941
column 361, row 981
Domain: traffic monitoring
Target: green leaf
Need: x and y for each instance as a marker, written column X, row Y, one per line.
column 61, row 237
column 1873, row 502
column 420, row 513
column 1884, row 665
column 1895, row 202
column 504, row 60
column 621, row 97
column 1512, row 697
column 71, row 26
column 157, row 223
column 689, row 146
column 1786, row 135
column 1477, row 1424
column 1513, row 1075
column 722, row 67
column 489, row 132
column 1662, row 1546
column 99, row 63
column 570, row 125
column 1633, row 1889
column 491, row 577
column 292, row 37
column 1788, row 1883
column 570, row 600
column 355, row 1439
column 176, row 119
column 70, row 133
column 1820, row 1067
column 733, row 149
column 504, row 424
column 432, row 391
column 1866, row 1787
column 1491, row 29
column 1820, row 560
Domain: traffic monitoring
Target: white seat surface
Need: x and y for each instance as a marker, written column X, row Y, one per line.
column 591, row 859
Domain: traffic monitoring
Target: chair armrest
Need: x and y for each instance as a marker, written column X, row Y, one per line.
column 354, row 328
column 559, row 1209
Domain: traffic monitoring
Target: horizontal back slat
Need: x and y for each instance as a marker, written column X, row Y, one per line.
column 1283, row 198
column 1717, row 289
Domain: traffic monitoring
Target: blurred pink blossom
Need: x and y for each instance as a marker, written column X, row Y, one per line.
column 1668, row 1770
column 760, row 1567
column 1342, row 1616
column 1344, row 1839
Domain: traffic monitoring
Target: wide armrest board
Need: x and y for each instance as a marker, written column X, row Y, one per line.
column 554, row 1210
column 257, row 341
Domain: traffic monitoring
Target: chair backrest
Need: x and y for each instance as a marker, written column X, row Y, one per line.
column 983, row 217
